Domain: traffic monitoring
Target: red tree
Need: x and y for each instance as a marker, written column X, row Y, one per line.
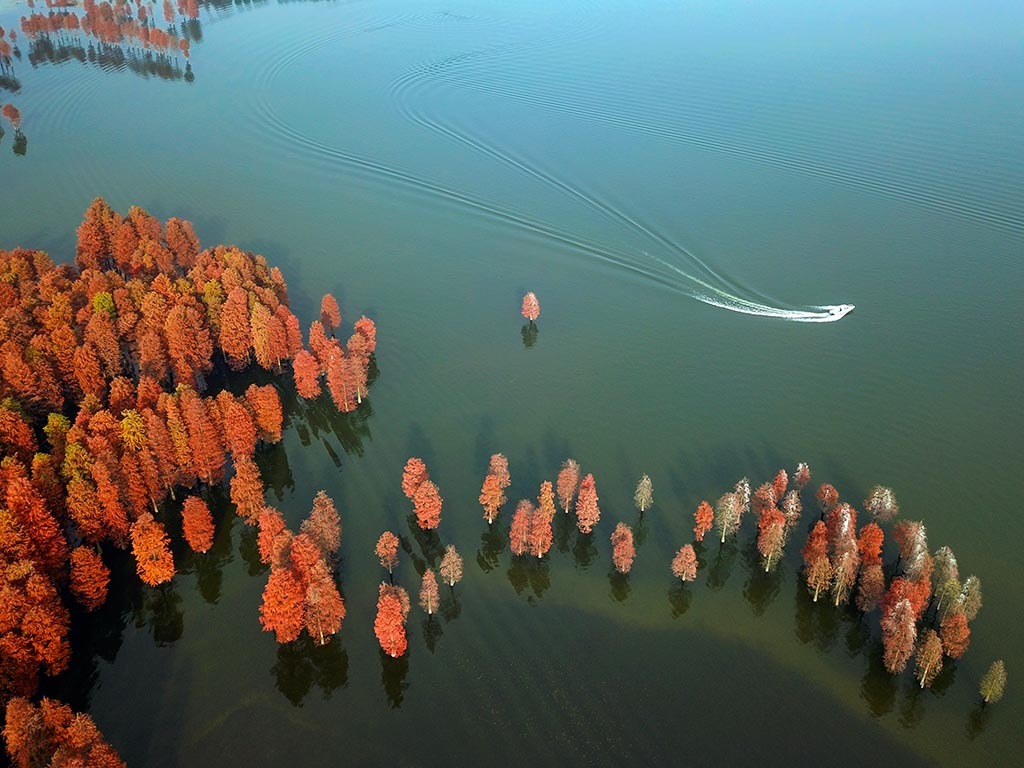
column 429, row 597
column 387, row 550
column 568, row 480
column 365, row 327
column 266, row 407
column 324, row 608
column 330, row 315
column 899, row 635
column 151, row 548
column 623, row 551
column 323, row 525
column 283, row 608
column 492, row 497
column 306, row 371
column 522, row 523
column 451, row 566
column 587, row 511
column 871, row 587
column 51, row 734
column 89, row 578
column 247, row 489
column 869, row 544
column 427, row 506
column 389, row 625
column 955, row 634
column 413, row 475
column 704, row 517
column 197, row 524
column 531, row 307
column 499, row 468
column 771, row 536
column 817, row 569
column 827, row 497
column 684, row 564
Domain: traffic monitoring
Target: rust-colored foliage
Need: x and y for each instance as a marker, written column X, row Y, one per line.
column 306, row 371
column 451, row 566
column 827, row 497
column 492, row 497
column 899, row 635
column 704, row 519
column 266, row 407
column 389, row 625
column 531, row 307
column 247, row 489
column 429, row 595
column 771, row 536
column 365, row 327
column 567, row 482
column 197, row 524
column 780, row 483
column 587, row 512
column 802, row 476
column 330, row 315
column 324, row 608
column 414, row 474
column 817, row 568
column 546, row 501
column 955, row 634
column 152, row 551
column 52, row 734
column 283, row 607
column 89, row 578
column 323, row 525
column 869, row 544
column 498, row 467
column 541, row 533
column 871, row 587
column 684, row 564
column 522, row 523
column 386, row 550
column 623, row 551
column 273, row 538
column 427, row 506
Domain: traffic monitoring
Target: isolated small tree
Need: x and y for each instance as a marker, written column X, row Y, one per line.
column 429, row 598
column 387, row 550
column 451, row 566
column 993, row 682
column 704, row 520
column 623, row 551
column 568, row 480
column 881, row 503
column 802, row 475
column 644, row 495
column 531, row 307
column 684, row 564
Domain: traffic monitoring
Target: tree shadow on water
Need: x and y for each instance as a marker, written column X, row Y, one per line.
column 977, row 720
column 492, row 544
column 584, row 551
column 529, row 332
column 526, row 571
column 392, row 677
column 619, row 584
column 720, row 567
column 679, row 598
column 302, row 663
column 159, row 609
column 432, row 631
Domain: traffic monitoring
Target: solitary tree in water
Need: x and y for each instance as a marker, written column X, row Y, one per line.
column 881, row 503
column 531, row 307
column 330, row 315
column 993, row 682
column 427, row 506
column 451, row 566
column 644, row 495
column 389, row 625
column 387, row 550
column 428, row 592
column 704, row 518
column 623, row 551
column 684, row 564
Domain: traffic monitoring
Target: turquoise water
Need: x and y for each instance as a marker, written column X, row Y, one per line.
column 429, row 163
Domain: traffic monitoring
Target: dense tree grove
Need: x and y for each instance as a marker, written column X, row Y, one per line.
column 105, row 415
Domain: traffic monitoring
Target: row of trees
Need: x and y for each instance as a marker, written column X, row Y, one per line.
column 106, row 417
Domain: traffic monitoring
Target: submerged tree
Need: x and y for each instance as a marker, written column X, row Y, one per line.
column 427, row 506
column 993, row 682
column 152, row 551
column 567, row 482
column 728, row 513
column 197, row 524
column 644, row 495
column 817, row 568
column 955, row 635
column 929, row 658
column 771, row 536
column 429, row 598
column 587, row 511
column 899, row 635
column 704, row 520
column 51, row 734
column 414, row 474
column 684, row 564
column 387, row 550
column 623, row 551
column 802, row 476
column 89, row 578
column 881, row 503
column 451, row 566
column 531, row 307
column 389, row 625
column 522, row 523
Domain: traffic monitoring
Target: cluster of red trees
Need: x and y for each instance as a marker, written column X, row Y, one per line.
column 117, row 24
column 51, row 734
column 421, row 491
column 103, row 416
column 300, row 591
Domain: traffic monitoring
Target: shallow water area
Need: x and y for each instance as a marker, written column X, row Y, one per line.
column 677, row 182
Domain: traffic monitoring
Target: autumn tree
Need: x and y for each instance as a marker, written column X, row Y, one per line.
column 827, row 497
column 802, row 476
column 151, row 548
column 899, row 635
column 643, row 497
column 283, row 608
column 451, row 566
column 414, row 474
column 389, row 625
column 324, row 610
column 993, row 682
column 771, row 536
column 587, row 511
column 306, row 371
column 522, row 522
column 704, row 519
column 247, row 489
column 955, row 635
column 869, row 544
column 929, row 658
column 684, row 564
column 870, row 587
column 970, row 598
column 728, row 514
column 429, row 598
column 567, row 482
column 817, row 568
column 541, row 533
column 89, row 578
column 881, row 504
column 623, row 551
column 427, row 506
column 330, row 315
column 531, row 307
column 51, row 734
column 498, row 467
column 197, row 524
column 492, row 497
column 387, row 551
column 546, row 501
column 323, row 525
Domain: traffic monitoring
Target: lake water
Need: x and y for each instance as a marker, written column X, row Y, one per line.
column 636, row 164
